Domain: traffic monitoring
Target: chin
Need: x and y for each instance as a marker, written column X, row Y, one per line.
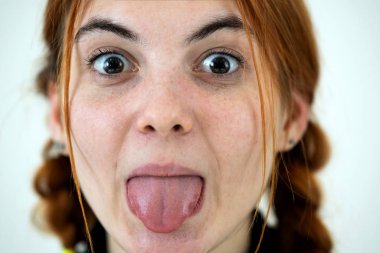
column 186, row 239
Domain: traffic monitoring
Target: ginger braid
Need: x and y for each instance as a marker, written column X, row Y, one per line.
column 58, row 210
column 298, row 198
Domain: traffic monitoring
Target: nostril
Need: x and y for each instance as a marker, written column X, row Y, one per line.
column 149, row 128
column 177, row 128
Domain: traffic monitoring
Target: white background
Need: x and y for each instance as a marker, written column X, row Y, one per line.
column 348, row 106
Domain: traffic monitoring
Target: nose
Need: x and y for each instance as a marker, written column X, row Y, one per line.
column 165, row 114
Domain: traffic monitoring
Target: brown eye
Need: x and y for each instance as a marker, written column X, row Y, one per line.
column 219, row 63
column 112, row 64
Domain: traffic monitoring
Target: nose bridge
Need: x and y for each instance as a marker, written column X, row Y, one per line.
column 165, row 111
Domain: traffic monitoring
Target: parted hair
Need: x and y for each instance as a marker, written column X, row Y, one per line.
column 286, row 44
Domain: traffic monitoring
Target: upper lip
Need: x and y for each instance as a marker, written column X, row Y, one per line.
column 166, row 170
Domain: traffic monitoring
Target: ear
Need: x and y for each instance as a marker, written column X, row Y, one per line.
column 55, row 124
column 295, row 124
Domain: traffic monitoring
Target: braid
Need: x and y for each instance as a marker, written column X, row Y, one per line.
column 58, row 210
column 298, row 198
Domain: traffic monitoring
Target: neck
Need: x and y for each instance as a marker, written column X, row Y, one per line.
column 238, row 241
column 113, row 246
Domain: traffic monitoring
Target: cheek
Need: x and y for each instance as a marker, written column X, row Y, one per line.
column 97, row 135
column 235, row 136
column 97, row 124
column 236, row 129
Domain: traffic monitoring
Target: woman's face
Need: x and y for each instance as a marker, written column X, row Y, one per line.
column 166, row 124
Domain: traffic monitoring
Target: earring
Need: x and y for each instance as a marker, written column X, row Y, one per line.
column 291, row 143
column 57, row 149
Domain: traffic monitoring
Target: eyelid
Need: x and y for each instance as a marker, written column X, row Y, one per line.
column 106, row 79
column 218, row 50
column 104, row 51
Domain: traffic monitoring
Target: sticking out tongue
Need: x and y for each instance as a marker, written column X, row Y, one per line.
column 163, row 203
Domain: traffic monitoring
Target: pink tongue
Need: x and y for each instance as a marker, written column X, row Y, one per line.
column 163, row 203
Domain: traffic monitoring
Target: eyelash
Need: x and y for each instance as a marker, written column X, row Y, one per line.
column 100, row 52
column 104, row 78
column 90, row 60
column 225, row 76
column 227, row 52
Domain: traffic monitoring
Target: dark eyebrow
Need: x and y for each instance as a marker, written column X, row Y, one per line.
column 230, row 22
column 107, row 25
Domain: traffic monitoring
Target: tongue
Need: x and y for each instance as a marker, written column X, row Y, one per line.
column 163, row 203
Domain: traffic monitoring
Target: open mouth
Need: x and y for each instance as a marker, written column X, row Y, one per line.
column 164, row 202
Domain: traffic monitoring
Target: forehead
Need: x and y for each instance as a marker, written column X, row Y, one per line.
column 160, row 16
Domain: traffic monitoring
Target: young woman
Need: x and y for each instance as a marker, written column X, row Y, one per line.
column 172, row 118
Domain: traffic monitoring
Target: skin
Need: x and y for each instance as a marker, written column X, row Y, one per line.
column 165, row 111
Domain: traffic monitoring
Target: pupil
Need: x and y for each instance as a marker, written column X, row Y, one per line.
column 113, row 65
column 220, row 65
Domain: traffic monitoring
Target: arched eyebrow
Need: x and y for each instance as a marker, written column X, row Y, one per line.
column 108, row 25
column 219, row 23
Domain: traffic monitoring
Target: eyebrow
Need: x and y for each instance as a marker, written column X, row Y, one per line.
column 108, row 25
column 229, row 22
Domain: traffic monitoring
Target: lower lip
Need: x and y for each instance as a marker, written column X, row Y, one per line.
column 164, row 227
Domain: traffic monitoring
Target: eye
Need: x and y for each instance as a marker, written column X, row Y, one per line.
column 112, row 63
column 220, row 63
